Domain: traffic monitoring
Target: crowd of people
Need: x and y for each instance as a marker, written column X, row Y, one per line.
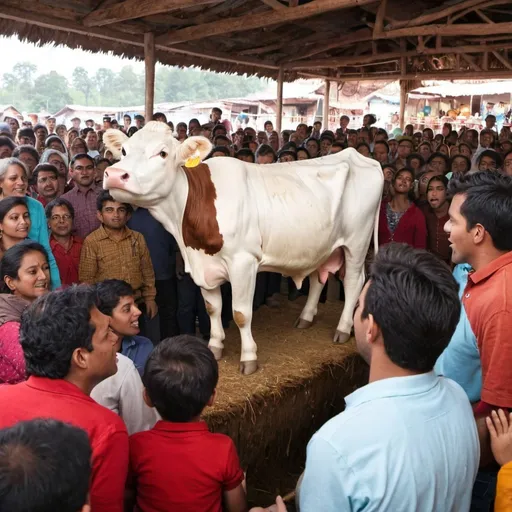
column 99, row 323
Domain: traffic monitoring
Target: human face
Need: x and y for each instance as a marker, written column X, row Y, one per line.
column 273, row 140
column 47, row 185
column 428, row 135
column 344, row 122
column 61, row 222
column 33, row 278
column 57, row 161
column 507, row 165
column 486, row 140
column 127, row 121
column 459, row 165
column 13, row 123
column 294, row 137
column 76, row 124
column 438, row 165
column 262, row 137
column 487, row 163
column 100, row 170
column 409, row 130
column 50, row 124
column 334, row 149
column 436, row 194
column 265, row 159
column 325, row 146
column 245, row 158
column 404, row 149
column 465, row 150
column 425, row 151
column 490, row 122
column 363, row 150
column 5, row 152
column 14, row 182
column 446, row 131
column 57, row 145
column 83, row 172
column 61, row 132
column 352, row 140
column 269, row 127
column 25, row 140
column 393, row 146
column 443, row 148
column 403, row 182
column 454, row 150
column 41, row 134
column 361, row 327
column 16, row 223
column 29, row 161
column 92, row 140
column 312, row 148
column 114, row 215
column 460, row 238
column 215, row 116
column 78, row 147
column 125, row 317
column 286, row 158
column 363, row 136
column 423, row 182
column 302, row 155
column 388, row 173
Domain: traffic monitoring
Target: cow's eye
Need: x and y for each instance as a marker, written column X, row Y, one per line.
column 123, row 152
column 163, row 154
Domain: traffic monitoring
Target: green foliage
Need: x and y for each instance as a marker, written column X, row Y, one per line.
column 107, row 88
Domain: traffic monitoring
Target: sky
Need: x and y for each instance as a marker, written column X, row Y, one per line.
column 58, row 58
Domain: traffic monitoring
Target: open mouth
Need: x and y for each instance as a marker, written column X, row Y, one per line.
column 135, row 324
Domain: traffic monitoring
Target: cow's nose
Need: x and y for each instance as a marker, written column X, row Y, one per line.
column 115, row 178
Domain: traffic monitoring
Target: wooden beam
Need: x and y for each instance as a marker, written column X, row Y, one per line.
column 131, row 9
column 483, row 16
column 503, row 60
column 253, row 21
column 403, row 102
column 461, row 29
column 279, row 113
column 472, row 63
column 485, row 61
column 381, row 13
column 325, row 119
column 149, row 62
column 275, row 4
column 480, row 6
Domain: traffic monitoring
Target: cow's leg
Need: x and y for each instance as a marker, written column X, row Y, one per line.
column 310, row 310
column 353, row 283
column 242, row 274
column 213, row 303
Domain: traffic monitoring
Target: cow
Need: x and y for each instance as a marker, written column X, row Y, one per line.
column 232, row 219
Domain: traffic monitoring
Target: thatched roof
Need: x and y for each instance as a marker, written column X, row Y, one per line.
column 339, row 39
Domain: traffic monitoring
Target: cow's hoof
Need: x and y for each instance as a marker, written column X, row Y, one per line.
column 248, row 367
column 341, row 337
column 300, row 323
column 217, row 352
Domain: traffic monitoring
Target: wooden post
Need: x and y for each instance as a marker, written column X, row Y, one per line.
column 325, row 120
column 403, row 100
column 279, row 114
column 149, row 61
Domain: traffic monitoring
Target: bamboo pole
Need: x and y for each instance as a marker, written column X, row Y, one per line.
column 149, row 61
column 279, row 114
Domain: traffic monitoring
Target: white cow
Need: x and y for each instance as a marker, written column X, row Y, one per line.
column 232, row 219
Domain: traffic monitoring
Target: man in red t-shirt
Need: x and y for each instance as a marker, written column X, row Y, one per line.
column 69, row 348
column 179, row 465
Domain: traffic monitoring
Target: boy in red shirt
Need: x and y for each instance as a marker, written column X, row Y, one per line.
column 179, row 465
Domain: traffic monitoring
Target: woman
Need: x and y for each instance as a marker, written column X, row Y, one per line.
column 425, row 150
column 459, row 164
column 363, row 149
column 60, row 161
column 313, row 147
column 465, row 149
column 77, row 147
column 54, row 142
column 72, row 135
column 25, row 277
column 14, row 182
column 400, row 219
column 443, row 148
column 302, row 154
column 62, row 132
column 14, row 222
column 438, row 162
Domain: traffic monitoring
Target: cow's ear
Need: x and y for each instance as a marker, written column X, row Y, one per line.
column 190, row 146
column 113, row 141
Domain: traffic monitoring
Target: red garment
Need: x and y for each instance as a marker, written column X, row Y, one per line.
column 437, row 238
column 411, row 228
column 67, row 261
column 42, row 200
column 12, row 360
column 182, row 467
column 58, row 399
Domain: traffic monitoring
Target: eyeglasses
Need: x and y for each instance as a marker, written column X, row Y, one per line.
column 57, row 218
column 46, row 179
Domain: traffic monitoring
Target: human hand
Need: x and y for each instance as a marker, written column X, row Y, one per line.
column 279, row 506
column 500, row 428
column 151, row 308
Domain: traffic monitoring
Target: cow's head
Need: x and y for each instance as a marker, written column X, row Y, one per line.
column 149, row 162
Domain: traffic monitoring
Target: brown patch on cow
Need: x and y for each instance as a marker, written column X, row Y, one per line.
column 209, row 308
column 239, row 319
column 200, row 227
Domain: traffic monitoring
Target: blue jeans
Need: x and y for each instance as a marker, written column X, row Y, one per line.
column 484, row 491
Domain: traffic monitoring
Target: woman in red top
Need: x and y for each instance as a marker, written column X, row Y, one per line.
column 400, row 219
column 25, row 276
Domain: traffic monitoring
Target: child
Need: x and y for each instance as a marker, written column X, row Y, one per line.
column 179, row 465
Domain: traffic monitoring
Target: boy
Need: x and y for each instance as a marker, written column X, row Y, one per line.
column 179, row 465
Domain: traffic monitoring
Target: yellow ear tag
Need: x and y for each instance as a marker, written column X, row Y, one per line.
column 194, row 160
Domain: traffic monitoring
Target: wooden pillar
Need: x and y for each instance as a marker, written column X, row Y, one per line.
column 325, row 120
column 403, row 101
column 279, row 114
column 149, row 61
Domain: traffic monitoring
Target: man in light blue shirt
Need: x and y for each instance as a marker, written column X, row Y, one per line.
column 406, row 442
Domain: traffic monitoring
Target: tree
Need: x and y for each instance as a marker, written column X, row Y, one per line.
column 104, row 79
column 51, row 92
column 82, row 82
column 24, row 72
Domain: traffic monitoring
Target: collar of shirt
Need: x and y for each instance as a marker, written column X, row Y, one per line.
column 491, row 268
column 395, row 386
column 92, row 188
column 169, row 426
column 54, row 243
column 103, row 234
column 57, row 386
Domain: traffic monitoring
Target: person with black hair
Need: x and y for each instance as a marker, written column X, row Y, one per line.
column 313, row 147
column 114, row 251
column 25, row 276
column 381, row 151
column 265, row 155
column 45, row 466
column 29, row 156
column 364, row 149
column 7, row 146
column 246, row 155
column 326, row 141
column 26, row 136
column 336, row 147
column 480, row 234
column 69, row 348
column 438, row 162
column 287, row 155
column 179, row 463
column 489, row 160
column 219, row 151
column 46, row 181
column 405, row 317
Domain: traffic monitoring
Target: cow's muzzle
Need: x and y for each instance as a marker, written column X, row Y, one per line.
column 115, row 178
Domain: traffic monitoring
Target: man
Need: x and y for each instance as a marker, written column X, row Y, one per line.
column 317, row 130
column 115, row 299
column 215, row 115
column 114, row 251
column 341, row 132
column 75, row 123
column 50, row 125
column 405, row 148
column 393, row 149
column 480, row 233
column 65, row 247
column 46, row 178
column 107, row 122
column 490, row 122
column 89, row 123
column 489, row 160
column 91, row 139
column 84, row 194
column 26, row 136
column 69, row 348
column 29, row 156
column 45, row 466
column 352, row 138
column 406, row 441
column 381, row 151
column 436, row 216
column 139, row 121
column 7, row 146
column 127, row 121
